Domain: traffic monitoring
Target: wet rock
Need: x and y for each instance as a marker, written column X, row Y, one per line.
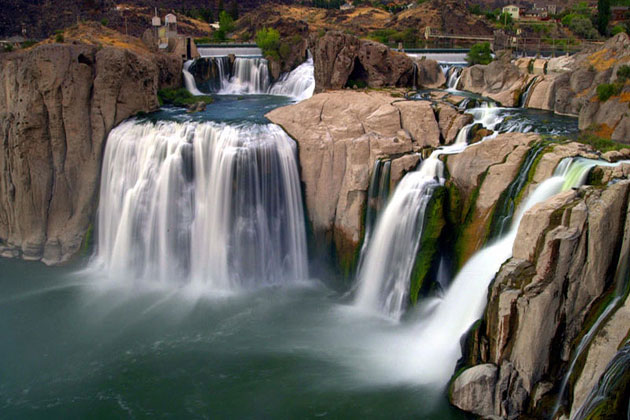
column 473, row 390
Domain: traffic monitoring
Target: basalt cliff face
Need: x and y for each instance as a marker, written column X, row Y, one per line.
column 58, row 103
column 340, row 134
column 557, row 310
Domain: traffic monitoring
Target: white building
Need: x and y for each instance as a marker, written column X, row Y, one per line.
column 346, row 6
column 512, row 10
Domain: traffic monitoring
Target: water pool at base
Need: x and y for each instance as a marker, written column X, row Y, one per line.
column 73, row 348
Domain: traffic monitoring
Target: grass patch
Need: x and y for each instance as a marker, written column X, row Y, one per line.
column 181, row 97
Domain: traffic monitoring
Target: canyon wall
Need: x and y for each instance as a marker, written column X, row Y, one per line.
column 58, row 103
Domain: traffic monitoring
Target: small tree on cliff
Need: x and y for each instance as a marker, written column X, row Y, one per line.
column 479, row 54
column 603, row 16
column 268, row 40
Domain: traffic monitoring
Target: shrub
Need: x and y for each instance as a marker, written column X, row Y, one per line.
column 104, row 21
column 8, row 47
column 59, row 38
column 479, row 54
column 268, row 40
column 617, row 29
column 180, row 97
column 28, row 43
column 607, row 90
column 623, row 73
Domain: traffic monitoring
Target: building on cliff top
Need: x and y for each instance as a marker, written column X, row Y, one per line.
column 166, row 38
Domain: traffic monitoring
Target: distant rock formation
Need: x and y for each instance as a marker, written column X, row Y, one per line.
column 344, row 60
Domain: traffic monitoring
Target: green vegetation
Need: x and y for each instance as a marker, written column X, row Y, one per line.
column 268, row 40
column 479, row 54
column 8, row 47
column 181, row 97
column 59, row 36
column 409, row 37
column 603, row 16
column 607, row 90
column 203, row 40
column 28, row 43
column 104, row 21
column 233, row 9
column 226, row 25
column 602, row 144
column 328, row 4
column 617, row 29
column 623, row 73
column 428, row 249
column 579, row 20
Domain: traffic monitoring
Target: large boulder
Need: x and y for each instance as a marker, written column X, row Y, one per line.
column 57, row 106
column 341, row 59
column 340, row 135
column 498, row 80
column 429, row 74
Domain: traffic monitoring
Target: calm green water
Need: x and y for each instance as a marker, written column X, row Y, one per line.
column 74, row 348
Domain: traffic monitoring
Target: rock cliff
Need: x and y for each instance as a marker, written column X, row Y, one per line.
column 544, row 301
column 341, row 59
column 58, row 103
column 340, row 135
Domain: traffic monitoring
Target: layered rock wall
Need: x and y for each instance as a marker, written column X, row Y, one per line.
column 57, row 106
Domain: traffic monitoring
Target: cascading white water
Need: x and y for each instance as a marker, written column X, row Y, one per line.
column 298, row 84
column 189, row 79
column 389, row 254
column 453, row 78
column 438, row 335
column 216, row 206
column 249, row 76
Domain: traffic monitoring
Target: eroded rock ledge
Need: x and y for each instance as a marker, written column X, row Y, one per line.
column 340, row 134
column 58, row 103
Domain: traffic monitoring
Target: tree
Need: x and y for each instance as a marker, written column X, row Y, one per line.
column 603, row 16
column 268, row 40
column 234, row 9
column 220, row 7
column 479, row 54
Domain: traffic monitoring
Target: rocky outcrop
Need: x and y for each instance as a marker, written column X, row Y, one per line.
column 341, row 59
column 570, row 88
column 429, row 74
column 451, row 121
column 339, row 137
column 498, row 80
column 545, row 298
column 57, row 105
column 478, row 177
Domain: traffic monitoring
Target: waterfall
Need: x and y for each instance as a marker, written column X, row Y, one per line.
column 389, row 253
column 455, row 74
column 612, row 385
column 250, row 75
column 378, row 192
column 208, row 204
column 298, row 84
column 438, row 334
column 502, row 218
column 385, row 269
column 189, row 80
column 522, row 101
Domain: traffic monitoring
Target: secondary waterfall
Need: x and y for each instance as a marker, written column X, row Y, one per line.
column 209, row 204
column 299, row 84
column 438, row 334
column 250, row 75
column 189, row 80
column 522, row 101
column 389, row 253
column 453, row 76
